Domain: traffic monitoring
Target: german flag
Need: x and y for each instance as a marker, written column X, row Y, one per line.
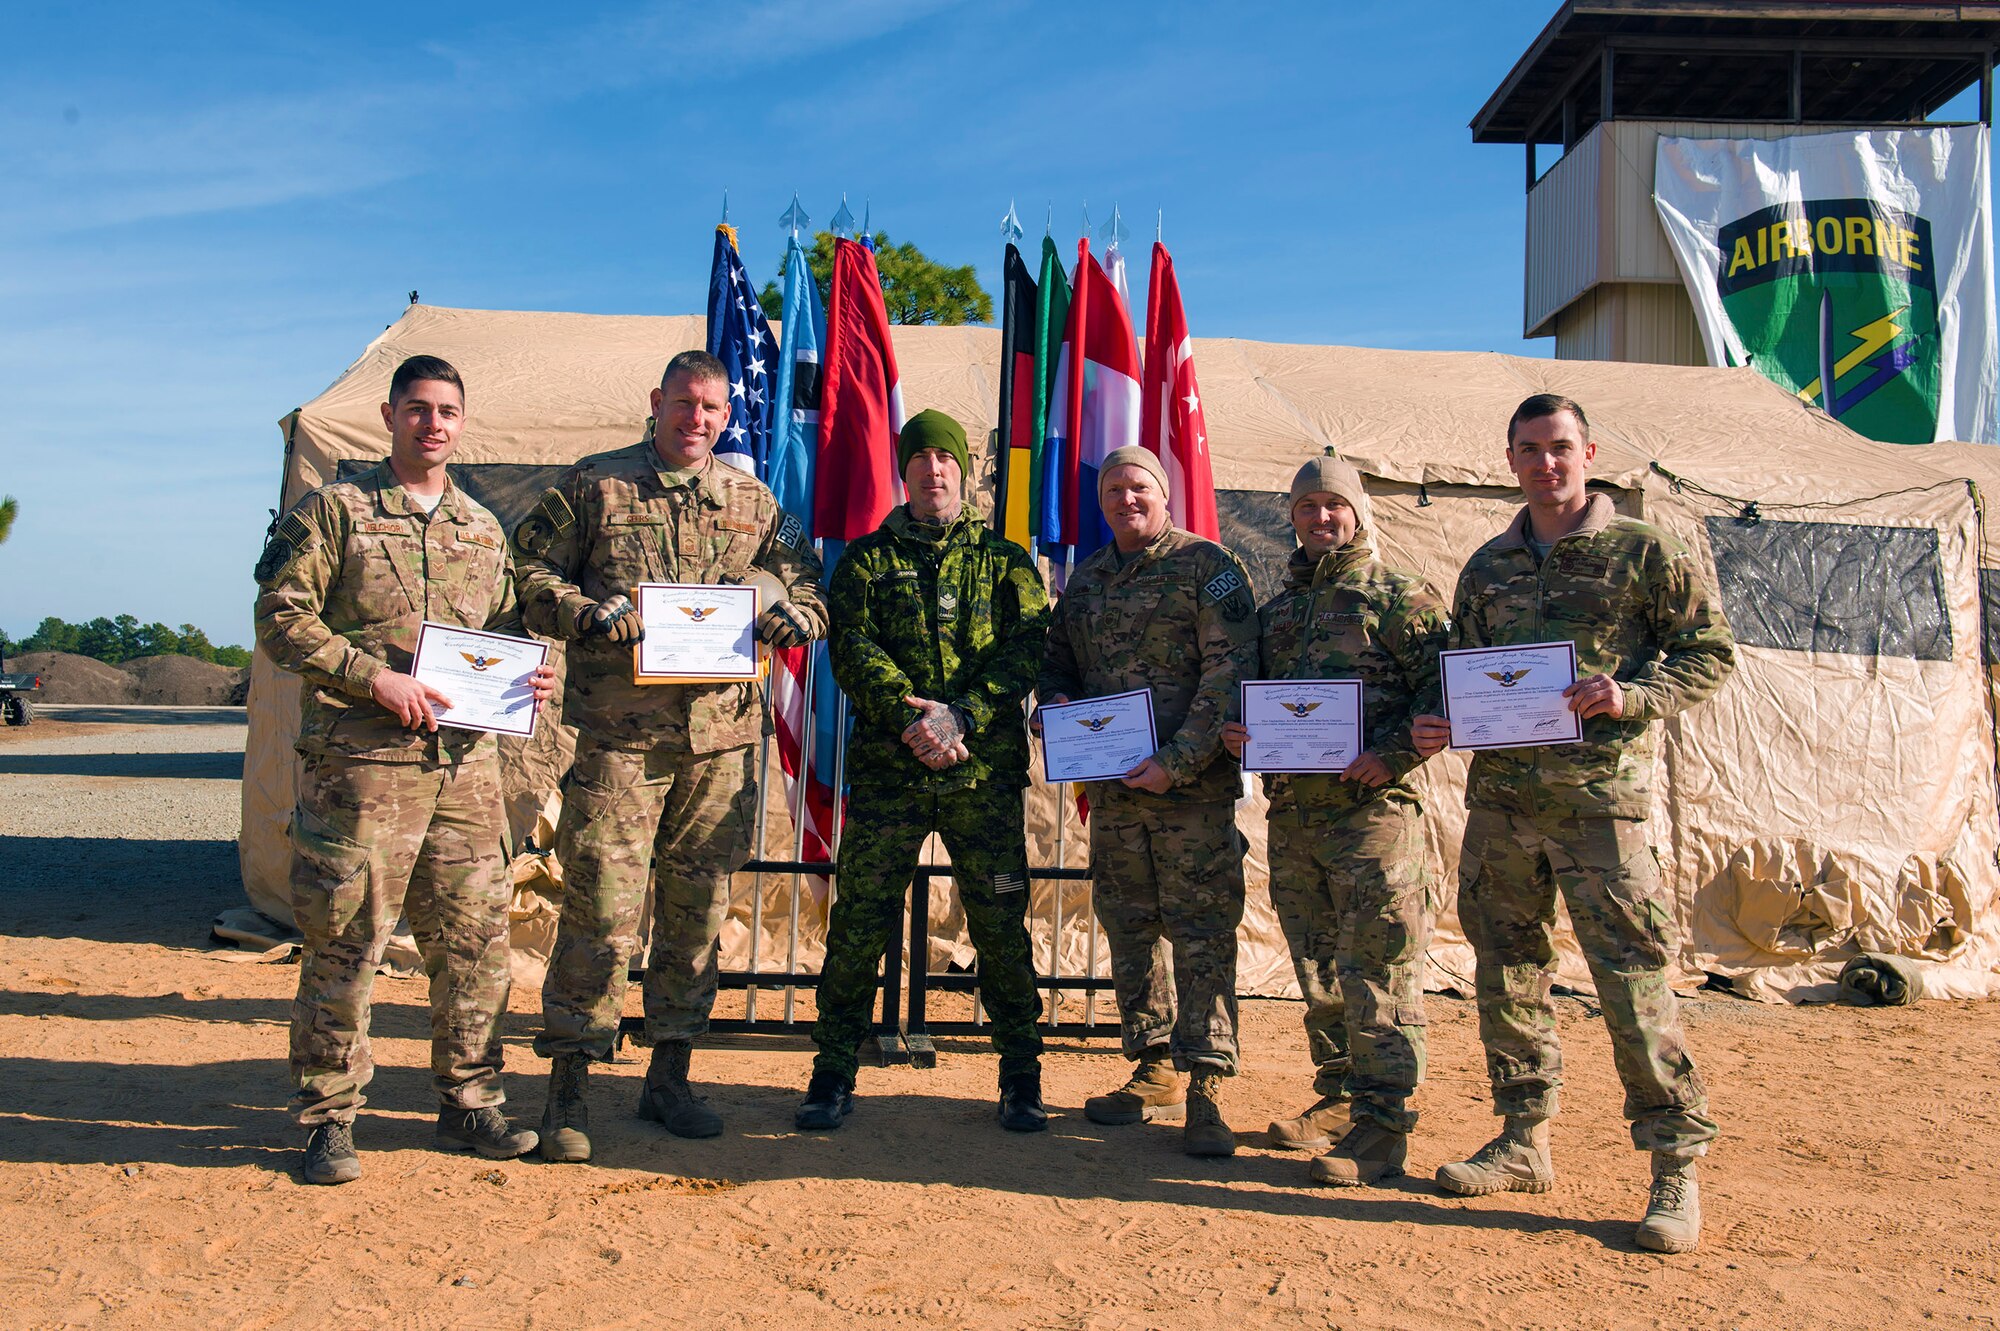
column 1017, row 402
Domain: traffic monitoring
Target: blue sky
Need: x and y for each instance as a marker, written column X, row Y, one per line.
column 211, row 208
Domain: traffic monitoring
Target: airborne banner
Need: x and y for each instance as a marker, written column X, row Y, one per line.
column 1855, row 270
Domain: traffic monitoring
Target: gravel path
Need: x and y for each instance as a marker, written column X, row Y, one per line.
column 102, row 826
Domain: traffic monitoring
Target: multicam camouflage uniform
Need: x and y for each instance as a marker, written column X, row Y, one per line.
column 389, row 821
column 662, row 788
column 1179, row 618
column 1347, row 863
column 1570, row 816
column 955, row 614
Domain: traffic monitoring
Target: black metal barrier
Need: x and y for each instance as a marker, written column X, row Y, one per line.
column 905, row 1036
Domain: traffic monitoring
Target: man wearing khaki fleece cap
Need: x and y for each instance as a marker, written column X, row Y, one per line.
column 1165, row 610
column 1348, row 873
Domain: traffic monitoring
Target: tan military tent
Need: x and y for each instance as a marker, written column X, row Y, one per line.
column 1837, row 796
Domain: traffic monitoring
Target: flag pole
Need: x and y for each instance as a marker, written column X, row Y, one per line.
column 804, row 785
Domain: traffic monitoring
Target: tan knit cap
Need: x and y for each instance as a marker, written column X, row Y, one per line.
column 1330, row 474
column 1131, row 455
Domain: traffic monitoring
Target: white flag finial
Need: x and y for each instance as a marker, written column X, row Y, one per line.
column 795, row 218
column 1010, row 225
column 843, row 221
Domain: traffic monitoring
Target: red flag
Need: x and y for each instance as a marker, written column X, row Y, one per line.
column 1172, row 424
column 861, row 404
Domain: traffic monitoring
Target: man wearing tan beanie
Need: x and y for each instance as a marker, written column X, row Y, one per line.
column 1165, row 610
column 1348, row 875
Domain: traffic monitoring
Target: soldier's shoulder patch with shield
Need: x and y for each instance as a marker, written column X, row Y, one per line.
column 550, row 519
column 1228, row 590
column 290, row 536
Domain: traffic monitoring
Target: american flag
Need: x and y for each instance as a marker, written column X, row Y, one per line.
column 740, row 337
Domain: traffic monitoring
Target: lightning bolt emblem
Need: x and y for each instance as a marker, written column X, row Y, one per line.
column 1872, row 338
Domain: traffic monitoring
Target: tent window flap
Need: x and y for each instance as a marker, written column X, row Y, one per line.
column 1832, row 587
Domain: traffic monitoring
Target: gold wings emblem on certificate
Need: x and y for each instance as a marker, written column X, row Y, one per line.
column 1509, row 678
column 1298, row 708
column 698, row 612
column 1094, row 723
column 480, row 660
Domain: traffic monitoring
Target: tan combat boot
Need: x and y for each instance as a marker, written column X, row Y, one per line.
column 1312, row 1128
column 1673, row 1212
column 668, row 1099
column 1515, row 1161
column 1206, row 1133
column 1368, row 1154
column 565, row 1122
column 1152, row 1092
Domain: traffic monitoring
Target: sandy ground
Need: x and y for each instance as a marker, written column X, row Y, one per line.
column 148, row 1174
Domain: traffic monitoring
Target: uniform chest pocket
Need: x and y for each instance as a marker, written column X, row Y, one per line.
column 630, row 549
column 475, row 569
column 383, row 572
column 1593, row 601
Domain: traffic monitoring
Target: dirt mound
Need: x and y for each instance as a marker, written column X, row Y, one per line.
column 151, row 681
column 182, row 681
column 67, row 678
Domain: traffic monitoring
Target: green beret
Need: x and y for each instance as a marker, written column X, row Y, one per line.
column 932, row 429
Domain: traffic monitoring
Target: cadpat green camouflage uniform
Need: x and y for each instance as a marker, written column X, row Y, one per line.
column 1570, row 817
column 662, row 792
column 1179, row 618
column 955, row 614
column 389, row 821
column 1348, row 876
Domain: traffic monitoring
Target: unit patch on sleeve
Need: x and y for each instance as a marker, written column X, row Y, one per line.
column 290, row 535
column 791, row 532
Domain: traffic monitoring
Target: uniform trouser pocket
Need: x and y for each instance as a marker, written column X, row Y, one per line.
column 345, row 910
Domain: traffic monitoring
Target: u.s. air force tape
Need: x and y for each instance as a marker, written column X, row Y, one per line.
column 1223, row 583
column 791, row 531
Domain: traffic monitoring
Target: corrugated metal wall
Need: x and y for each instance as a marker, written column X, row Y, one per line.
column 1647, row 322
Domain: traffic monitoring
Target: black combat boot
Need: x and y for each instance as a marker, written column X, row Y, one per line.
column 1021, row 1103
column 829, row 1099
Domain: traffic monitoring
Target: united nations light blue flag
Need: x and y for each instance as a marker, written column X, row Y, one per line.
column 740, row 337
column 796, row 442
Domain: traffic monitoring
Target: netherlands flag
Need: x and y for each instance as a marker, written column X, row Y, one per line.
column 1093, row 408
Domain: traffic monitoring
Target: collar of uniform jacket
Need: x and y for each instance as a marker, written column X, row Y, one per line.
column 393, row 498
column 694, row 479
column 1305, row 570
column 905, row 525
column 1597, row 515
column 1146, row 553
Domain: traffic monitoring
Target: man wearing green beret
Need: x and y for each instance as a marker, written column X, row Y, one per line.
column 937, row 638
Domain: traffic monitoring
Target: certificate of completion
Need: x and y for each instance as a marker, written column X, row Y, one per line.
column 486, row 676
column 1303, row 725
column 696, row 633
column 1510, row 697
column 1098, row 739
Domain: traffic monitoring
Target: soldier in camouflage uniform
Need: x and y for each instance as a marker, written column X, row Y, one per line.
column 394, row 815
column 1165, row 610
column 1651, row 642
column 661, row 793
column 937, row 637
column 1348, row 876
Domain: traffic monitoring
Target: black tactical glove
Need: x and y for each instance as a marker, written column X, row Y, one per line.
column 615, row 617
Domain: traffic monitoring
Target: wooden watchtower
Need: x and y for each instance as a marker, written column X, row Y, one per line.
column 1606, row 78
